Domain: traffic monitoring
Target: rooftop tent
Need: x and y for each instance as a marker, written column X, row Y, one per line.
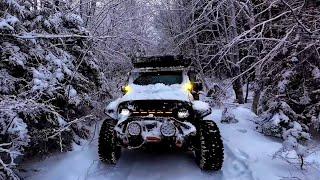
column 160, row 61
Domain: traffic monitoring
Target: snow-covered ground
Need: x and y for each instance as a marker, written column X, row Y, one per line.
column 248, row 155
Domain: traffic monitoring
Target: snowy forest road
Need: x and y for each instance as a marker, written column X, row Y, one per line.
column 248, row 156
column 83, row 163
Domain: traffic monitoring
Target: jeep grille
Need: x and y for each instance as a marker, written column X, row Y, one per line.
column 155, row 108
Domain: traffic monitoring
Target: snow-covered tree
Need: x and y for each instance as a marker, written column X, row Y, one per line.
column 48, row 79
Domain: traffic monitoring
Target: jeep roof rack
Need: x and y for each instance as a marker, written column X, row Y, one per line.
column 160, row 61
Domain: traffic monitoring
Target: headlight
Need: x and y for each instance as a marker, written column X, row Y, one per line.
column 168, row 129
column 188, row 87
column 127, row 89
column 183, row 113
column 125, row 112
column 134, row 129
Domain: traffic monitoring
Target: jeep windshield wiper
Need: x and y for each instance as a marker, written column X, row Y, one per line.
column 167, row 78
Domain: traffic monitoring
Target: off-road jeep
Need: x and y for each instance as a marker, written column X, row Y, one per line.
column 160, row 106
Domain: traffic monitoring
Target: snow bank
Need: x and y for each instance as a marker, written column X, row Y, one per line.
column 256, row 151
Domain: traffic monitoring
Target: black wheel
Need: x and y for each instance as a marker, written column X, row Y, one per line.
column 109, row 150
column 209, row 147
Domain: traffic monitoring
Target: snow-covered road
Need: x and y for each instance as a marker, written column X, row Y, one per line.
column 134, row 165
column 248, row 155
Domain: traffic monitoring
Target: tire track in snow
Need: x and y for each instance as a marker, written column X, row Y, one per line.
column 235, row 166
column 136, row 165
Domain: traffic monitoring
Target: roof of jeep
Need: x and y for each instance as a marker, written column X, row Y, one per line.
column 149, row 69
column 159, row 62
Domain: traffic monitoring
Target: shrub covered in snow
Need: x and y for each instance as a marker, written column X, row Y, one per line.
column 228, row 116
column 289, row 103
column 277, row 118
column 14, row 137
column 47, row 79
column 295, row 139
column 26, row 127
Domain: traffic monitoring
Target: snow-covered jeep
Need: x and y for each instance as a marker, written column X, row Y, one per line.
column 160, row 106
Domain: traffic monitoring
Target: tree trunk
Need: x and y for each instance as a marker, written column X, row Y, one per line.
column 256, row 52
column 91, row 10
column 257, row 90
column 237, row 87
column 235, row 68
column 256, row 99
column 247, row 90
column 82, row 9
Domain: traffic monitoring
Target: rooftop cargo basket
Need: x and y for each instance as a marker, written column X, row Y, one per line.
column 160, row 61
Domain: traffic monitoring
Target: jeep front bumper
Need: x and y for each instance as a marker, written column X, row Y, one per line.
column 136, row 131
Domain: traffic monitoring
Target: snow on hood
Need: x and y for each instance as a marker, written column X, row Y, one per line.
column 200, row 106
column 157, row 92
column 152, row 92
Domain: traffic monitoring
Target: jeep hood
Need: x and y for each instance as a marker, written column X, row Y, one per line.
column 152, row 92
column 157, row 92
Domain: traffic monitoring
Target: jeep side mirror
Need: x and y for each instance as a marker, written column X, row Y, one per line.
column 198, row 86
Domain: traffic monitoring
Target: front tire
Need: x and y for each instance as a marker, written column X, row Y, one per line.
column 108, row 149
column 209, row 147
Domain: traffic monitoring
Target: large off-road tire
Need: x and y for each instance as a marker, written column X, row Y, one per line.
column 209, row 147
column 109, row 150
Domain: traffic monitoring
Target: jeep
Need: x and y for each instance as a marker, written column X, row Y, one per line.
column 161, row 106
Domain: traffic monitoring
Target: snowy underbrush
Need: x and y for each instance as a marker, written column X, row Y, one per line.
column 278, row 119
column 281, row 121
column 28, row 126
column 289, row 106
column 266, row 157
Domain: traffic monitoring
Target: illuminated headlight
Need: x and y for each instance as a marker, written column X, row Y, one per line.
column 127, row 89
column 168, row 129
column 188, row 87
column 134, row 129
column 125, row 112
column 183, row 113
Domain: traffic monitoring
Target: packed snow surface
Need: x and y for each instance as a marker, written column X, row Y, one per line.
column 248, row 156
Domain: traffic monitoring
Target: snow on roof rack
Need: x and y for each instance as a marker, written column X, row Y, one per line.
column 160, row 61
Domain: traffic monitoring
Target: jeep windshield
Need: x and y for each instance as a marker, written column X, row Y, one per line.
column 164, row 77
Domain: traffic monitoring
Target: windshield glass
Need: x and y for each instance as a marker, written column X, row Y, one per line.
column 167, row 78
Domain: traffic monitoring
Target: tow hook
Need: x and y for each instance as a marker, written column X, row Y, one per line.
column 153, row 139
column 179, row 143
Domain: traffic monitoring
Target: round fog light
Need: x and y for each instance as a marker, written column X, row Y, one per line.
column 134, row 129
column 168, row 129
